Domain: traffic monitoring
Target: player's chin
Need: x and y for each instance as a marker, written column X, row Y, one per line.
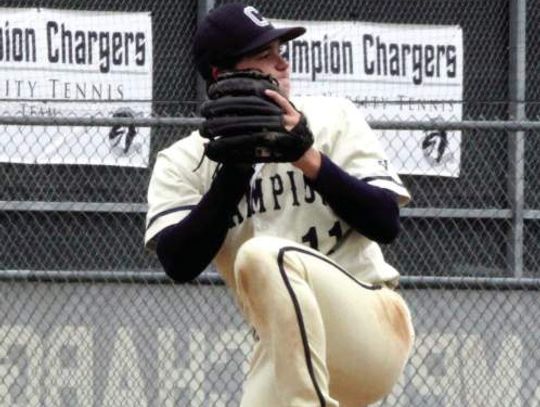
column 285, row 86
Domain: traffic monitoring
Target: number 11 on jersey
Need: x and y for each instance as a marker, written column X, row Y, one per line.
column 311, row 237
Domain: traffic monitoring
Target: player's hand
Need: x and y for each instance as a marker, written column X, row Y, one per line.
column 310, row 162
column 291, row 116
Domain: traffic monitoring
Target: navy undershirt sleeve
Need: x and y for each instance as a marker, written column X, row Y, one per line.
column 186, row 248
column 370, row 210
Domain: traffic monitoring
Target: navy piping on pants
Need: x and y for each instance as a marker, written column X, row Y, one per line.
column 298, row 311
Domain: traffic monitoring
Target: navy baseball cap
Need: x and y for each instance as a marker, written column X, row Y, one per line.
column 231, row 31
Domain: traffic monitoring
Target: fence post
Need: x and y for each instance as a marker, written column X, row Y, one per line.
column 516, row 145
column 203, row 7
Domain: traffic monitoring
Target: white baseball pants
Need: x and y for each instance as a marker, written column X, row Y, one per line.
column 325, row 338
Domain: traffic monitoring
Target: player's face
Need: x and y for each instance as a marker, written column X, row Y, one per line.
column 270, row 61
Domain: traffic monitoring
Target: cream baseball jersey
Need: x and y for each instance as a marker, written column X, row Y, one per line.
column 280, row 202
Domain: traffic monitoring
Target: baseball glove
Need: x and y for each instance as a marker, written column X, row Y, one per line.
column 244, row 126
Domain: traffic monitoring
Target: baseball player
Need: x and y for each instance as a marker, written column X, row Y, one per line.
column 290, row 200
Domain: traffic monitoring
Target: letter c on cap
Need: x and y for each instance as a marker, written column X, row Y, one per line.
column 253, row 14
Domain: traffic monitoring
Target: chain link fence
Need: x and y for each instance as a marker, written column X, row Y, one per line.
column 89, row 318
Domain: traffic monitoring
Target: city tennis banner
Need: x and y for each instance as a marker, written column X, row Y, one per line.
column 402, row 72
column 59, row 63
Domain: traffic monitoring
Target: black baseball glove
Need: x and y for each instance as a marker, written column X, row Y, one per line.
column 244, row 126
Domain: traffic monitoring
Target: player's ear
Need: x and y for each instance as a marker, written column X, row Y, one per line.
column 214, row 72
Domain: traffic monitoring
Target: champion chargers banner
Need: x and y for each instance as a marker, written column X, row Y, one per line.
column 58, row 63
column 392, row 72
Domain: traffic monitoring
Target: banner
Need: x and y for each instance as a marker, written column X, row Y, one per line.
column 58, row 63
column 392, row 72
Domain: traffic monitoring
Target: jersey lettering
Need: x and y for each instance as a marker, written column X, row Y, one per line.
column 310, row 193
column 255, row 199
column 336, row 231
column 293, row 188
column 277, row 189
column 270, row 192
column 311, row 238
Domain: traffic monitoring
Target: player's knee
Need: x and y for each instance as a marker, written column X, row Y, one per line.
column 399, row 318
column 252, row 265
column 259, row 257
column 255, row 251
